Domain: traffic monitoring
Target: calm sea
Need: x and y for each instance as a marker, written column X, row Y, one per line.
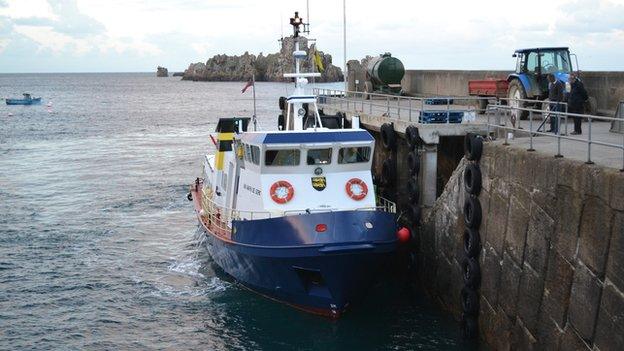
column 99, row 248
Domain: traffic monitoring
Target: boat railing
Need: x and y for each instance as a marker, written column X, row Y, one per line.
column 221, row 217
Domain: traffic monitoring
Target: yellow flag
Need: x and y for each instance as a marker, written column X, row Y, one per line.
column 318, row 62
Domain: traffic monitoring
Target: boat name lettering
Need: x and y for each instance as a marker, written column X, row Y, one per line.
column 251, row 189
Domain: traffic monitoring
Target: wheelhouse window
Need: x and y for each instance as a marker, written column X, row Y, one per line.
column 319, row 156
column 252, row 154
column 354, row 154
column 288, row 157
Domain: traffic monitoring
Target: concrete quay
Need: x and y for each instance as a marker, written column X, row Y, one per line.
column 551, row 238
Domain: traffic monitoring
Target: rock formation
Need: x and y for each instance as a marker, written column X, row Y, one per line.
column 162, row 72
column 267, row 68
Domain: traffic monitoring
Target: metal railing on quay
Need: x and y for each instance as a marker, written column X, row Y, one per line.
column 504, row 113
column 408, row 108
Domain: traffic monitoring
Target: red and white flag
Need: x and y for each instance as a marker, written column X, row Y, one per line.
column 249, row 84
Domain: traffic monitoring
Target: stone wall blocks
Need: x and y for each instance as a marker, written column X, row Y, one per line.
column 595, row 234
column 539, row 233
column 610, row 327
column 530, row 297
column 615, row 264
column 584, row 301
column 617, row 190
column 491, row 264
column 557, row 287
column 516, row 230
column 569, row 207
column 572, row 174
column 509, row 283
column 497, row 222
column 522, row 338
column 572, row 341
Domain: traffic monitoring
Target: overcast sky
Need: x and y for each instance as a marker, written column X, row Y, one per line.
column 134, row 35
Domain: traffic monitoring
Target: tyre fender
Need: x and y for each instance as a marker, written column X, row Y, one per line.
column 472, row 242
column 473, row 147
column 412, row 136
column 282, row 103
column 388, row 172
column 469, row 301
column 472, row 212
column 388, row 136
column 413, row 162
column 471, row 272
column 472, row 179
column 413, row 189
column 469, row 327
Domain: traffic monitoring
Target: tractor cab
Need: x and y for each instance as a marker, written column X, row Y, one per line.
column 532, row 67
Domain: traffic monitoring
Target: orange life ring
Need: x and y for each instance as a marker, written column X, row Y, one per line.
column 356, row 189
column 282, row 192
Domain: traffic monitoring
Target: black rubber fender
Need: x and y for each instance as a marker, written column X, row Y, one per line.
column 469, row 301
column 471, row 272
column 412, row 136
column 473, row 147
column 413, row 189
column 472, row 212
column 413, row 162
column 388, row 136
column 189, row 196
column 469, row 327
column 472, row 179
column 472, row 242
column 388, row 172
column 282, row 103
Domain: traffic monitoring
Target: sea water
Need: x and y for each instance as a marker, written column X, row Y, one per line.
column 100, row 250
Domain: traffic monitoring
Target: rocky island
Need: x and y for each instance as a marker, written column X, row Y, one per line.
column 268, row 68
column 162, row 72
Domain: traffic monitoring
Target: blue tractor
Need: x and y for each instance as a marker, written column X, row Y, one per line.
column 529, row 81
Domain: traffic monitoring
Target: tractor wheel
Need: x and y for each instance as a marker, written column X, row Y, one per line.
column 483, row 103
column 516, row 91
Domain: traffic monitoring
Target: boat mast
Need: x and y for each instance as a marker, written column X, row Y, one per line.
column 298, row 97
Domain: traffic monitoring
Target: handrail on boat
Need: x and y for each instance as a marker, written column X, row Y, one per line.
column 222, row 217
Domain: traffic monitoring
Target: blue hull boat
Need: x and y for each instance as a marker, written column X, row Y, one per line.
column 292, row 213
column 288, row 260
column 25, row 101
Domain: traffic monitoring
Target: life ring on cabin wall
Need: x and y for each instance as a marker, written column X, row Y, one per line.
column 356, row 189
column 282, row 192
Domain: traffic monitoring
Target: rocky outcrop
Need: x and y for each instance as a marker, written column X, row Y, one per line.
column 266, row 68
column 162, row 72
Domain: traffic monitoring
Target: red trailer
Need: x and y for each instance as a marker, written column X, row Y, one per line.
column 495, row 88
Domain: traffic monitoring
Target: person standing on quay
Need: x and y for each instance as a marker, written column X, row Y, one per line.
column 576, row 100
column 555, row 95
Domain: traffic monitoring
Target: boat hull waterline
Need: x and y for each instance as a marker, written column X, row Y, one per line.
column 286, row 260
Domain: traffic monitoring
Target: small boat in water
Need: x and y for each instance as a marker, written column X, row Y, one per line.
column 292, row 213
column 27, row 100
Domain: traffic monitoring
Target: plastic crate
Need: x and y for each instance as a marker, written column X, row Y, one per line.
column 440, row 116
column 439, row 101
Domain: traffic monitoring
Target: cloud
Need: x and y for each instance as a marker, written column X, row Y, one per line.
column 583, row 17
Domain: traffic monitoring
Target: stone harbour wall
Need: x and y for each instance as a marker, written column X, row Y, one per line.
column 552, row 251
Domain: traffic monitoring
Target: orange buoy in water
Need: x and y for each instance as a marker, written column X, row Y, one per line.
column 403, row 235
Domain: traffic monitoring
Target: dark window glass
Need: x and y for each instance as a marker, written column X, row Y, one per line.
column 319, row 156
column 354, row 154
column 282, row 157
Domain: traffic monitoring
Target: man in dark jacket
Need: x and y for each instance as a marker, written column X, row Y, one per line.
column 555, row 95
column 576, row 100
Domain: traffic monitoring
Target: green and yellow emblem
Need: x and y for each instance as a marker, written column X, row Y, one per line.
column 319, row 183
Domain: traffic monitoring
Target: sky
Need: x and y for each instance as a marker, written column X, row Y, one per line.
column 137, row 36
